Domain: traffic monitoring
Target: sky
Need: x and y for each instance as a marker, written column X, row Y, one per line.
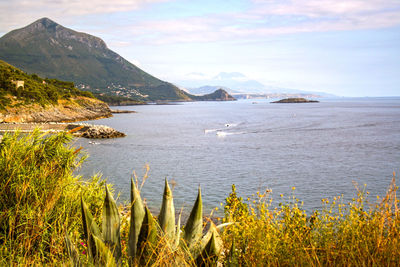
column 343, row 47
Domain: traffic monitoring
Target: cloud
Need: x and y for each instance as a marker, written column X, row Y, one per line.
column 318, row 8
column 262, row 18
column 196, row 76
column 15, row 12
column 272, row 17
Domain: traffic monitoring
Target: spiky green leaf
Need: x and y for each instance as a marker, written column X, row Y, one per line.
column 210, row 247
column 178, row 230
column 167, row 213
column 147, row 238
column 194, row 226
column 137, row 216
column 111, row 225
column 89, row 224
column 90, row 228
column 103, row 255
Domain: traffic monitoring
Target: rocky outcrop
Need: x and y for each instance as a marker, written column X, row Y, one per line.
column 93, row 131
column 77, row 129
column 76, row 109
column 295, row 100
column 218, row 95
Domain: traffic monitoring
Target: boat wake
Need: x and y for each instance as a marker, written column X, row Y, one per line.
column 226, row 126
column 223, row 134
column 210, row 130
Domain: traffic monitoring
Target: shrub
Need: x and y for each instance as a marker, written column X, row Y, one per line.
column 39, row 197
column 357, row 233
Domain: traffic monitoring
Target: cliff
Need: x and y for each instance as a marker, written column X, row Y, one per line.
column 78, row 108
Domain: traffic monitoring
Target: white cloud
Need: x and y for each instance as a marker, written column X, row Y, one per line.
column 294, row 16
column 264, row 18
column 16, row 13
column 319, row 8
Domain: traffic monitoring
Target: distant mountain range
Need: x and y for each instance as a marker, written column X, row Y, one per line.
column 51, row 50
column 209, row 89
column 239, row 85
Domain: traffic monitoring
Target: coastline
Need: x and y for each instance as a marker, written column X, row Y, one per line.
column 77, row 129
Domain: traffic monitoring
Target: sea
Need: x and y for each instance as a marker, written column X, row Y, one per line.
column 309, row 151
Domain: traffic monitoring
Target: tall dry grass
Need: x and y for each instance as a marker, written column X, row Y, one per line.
column 40, row 196
column 359, row 233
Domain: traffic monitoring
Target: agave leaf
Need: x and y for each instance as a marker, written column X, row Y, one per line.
column 111, row 225
column 147, row 237
column 178, row 230
column 213, row 230
column 90, row 228
column 103, row 255
column 194, row 226
column 89, row 224
column 210, row 247
column 220, row 226
column 208, row 256
column 137, row 216
column 72, row 252
column 167, row 213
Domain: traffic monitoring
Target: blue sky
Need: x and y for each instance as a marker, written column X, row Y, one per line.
column 349, row 48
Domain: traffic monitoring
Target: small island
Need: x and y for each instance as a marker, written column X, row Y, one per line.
column 295, row 100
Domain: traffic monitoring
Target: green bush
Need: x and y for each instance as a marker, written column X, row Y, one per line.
column 40, row 197
column 34, row 90
column 358, row 233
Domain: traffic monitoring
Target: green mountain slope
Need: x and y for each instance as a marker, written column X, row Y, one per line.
column 51, row 50
column 42, row 100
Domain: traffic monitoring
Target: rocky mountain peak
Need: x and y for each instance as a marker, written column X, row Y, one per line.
column 41, row 25
column 49, row 28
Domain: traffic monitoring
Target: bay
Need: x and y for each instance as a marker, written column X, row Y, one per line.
column 321, row 149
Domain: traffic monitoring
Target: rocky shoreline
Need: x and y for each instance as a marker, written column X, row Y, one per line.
column 121, row 111
column 85, row 130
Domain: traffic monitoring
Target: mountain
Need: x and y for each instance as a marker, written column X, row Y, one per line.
column 235, row 81
column 238, row 83
column 30, row 98
column 218, row 95
column 51, row 50
column 208, row 89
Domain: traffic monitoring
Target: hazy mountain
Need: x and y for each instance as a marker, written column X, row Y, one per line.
column 208, row 89
column 236, row 82
column 218, row 95
column 51, row 50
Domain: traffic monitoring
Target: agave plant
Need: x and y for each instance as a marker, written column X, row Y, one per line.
column 104, row 247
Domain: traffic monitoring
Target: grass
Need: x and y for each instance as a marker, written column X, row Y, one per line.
column 40, row 204
column 39, row 197
column 357, row 233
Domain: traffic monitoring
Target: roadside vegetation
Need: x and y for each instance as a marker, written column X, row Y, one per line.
column 48, row 216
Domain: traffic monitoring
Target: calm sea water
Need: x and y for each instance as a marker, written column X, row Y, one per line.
column 319, row 148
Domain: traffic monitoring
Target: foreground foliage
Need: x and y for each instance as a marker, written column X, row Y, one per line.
column 357, row 233
column 39, row 196
column 50, row 217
